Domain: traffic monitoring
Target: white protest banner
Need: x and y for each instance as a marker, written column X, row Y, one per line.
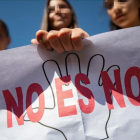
column 93, row 94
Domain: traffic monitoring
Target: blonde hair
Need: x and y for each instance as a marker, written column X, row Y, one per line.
column 45, row 22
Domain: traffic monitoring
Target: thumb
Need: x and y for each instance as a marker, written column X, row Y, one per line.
column 34, row 41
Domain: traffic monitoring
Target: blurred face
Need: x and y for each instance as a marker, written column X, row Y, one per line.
column 60, row 15
column 4, row 40
column 124, row 13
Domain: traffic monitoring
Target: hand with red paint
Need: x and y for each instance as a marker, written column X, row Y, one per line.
column 64, row 40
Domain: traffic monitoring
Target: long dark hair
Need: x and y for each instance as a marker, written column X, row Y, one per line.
column 4, row 27
column 45, row 22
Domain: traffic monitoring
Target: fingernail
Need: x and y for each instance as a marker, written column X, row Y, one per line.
column 43, row 44
column 40, row 41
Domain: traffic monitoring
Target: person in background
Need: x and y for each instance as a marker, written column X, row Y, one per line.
column 58, row 14
column 123, row 14
column 4, row 36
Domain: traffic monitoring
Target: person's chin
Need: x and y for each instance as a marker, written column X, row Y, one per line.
column 122, row 23
column 125, row 25
column 61, row 25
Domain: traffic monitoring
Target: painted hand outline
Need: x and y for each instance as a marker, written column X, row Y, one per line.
column 67, row 73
